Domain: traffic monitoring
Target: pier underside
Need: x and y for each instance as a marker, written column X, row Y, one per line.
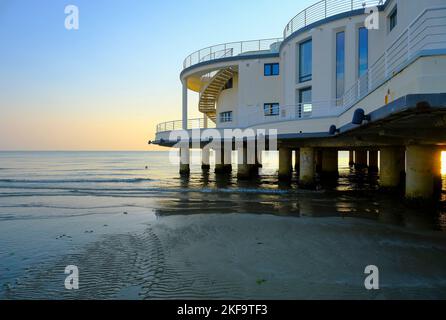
column 406, row 135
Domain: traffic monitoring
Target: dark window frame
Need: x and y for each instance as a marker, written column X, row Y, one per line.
column 393, row 18
column 340, row 67
column 362, row 71
column 305, row 77
column 273, row 109
column 273, row 72
column 301, row 110
column 224, row 119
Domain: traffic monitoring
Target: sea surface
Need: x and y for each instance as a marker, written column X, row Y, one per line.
column 136, row 229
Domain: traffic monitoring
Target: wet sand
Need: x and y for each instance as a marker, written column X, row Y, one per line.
column 247, row 256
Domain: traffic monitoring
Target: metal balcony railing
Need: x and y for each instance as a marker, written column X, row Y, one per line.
column 325, row 9
column 232, row 49
column 178, row 125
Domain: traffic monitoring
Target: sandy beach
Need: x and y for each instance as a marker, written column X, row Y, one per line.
column 243, row 257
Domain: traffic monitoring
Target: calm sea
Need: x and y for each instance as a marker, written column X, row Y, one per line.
column 76, row 207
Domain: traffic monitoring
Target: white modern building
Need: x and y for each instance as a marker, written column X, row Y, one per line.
column 363, row 76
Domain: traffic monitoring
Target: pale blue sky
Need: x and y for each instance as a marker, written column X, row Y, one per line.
column 108, row 84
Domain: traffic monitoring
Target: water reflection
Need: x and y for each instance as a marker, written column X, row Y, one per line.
column 354, row 194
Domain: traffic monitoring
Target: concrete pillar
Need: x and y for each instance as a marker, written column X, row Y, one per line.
column 373, row 161
column 205, row 122
column 259, row 159
column 360, row 159
column 245, row 164
column 330, row 163
column 223, row 163
column 184, row 160
column 393, row 163
column 185, row 120
column 318, row 160
column 307, row 163
column 206, row 158
column 297, row 160
column 351, row 161
column 285, row 163
column 420, row 172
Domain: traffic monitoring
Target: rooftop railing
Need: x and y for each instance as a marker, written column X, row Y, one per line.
column 178, row 125
column 232, row 49
column 325, row 9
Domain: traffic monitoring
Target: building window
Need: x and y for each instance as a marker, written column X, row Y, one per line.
column 271, row 109
column 305, row 107
column 305, row 61
column 340, row 64
column 363, row 52
column 226, row 117
column 229, row 84
column 271, row 69
column 393, row 18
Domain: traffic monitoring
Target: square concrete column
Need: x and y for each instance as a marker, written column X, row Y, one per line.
column 330, row 163
column 420, row 172
column 246, row 162
column 185, row 111
column 393, row 166
column 285, row 163
column 206, row 158
column 185, row 160
column 223, row 161
column 297, row 160
column 351, row 158
column 373, row 161
column 438, row 179
column 361, row 159
column 307, row 168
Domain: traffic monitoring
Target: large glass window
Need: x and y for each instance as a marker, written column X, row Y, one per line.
column 305, row 102
column 363, row 54
column 271, row 109
column 226, row 117
column 271, row 69
column 340, row 64
column 305, row 61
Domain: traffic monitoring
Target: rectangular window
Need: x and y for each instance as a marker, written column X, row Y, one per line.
column 305, row 102
column 340, row 64
column 305, row 61
column 271, row 109
column 271, row 69
column 393, row 18
column 363, row 52
column 226, row 117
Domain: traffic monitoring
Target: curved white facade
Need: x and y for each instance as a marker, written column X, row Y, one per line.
column 406, row 55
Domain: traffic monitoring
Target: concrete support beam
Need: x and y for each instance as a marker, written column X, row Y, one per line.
column 393, row 164
column 297, row 160
column 307, row 166
column 223, row 161
column 373, row 161
column 184, row 160
column 206, row 158
column 420, row 172
column 185, row 107
column 351, row 161
column 285, row 163
column 360, row 159
column 246, row 165
column 330, row 163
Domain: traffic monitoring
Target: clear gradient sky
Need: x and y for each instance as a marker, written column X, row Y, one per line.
column 106, row 86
